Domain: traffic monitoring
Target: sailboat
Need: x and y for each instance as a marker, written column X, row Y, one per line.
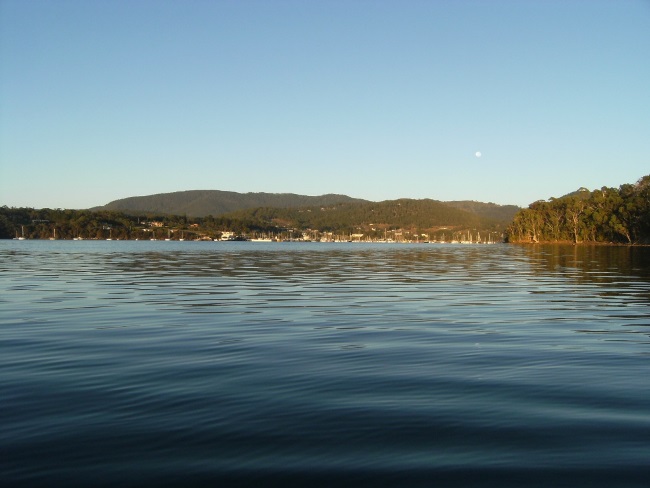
column 53, row 238
column 22, row 234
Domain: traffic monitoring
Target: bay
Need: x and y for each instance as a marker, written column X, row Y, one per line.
column 312, row 364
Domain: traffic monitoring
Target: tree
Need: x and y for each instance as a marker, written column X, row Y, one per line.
column 575, row 208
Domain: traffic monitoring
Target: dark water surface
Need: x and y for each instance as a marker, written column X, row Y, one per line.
column 260, row 364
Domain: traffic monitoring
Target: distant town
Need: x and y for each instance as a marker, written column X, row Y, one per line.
column 158, row 231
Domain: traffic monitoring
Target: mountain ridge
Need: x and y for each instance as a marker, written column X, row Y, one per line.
column 201, row 203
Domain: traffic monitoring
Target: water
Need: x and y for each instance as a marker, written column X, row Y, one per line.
column 258, row 364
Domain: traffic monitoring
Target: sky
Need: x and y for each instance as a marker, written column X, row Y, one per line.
column 489, row 100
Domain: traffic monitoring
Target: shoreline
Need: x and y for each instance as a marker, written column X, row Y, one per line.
column 583, row 243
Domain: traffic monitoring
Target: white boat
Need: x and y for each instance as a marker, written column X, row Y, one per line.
column 22, row 234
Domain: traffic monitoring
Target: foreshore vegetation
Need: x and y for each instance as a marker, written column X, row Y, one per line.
column 402, row 220
column 608, row 215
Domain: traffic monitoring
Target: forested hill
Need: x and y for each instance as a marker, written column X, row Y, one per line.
column 487, row 210
column 408, row 218
column 405, row 213
column 200, row 203
column 616, row 215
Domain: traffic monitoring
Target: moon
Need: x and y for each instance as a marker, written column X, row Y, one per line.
column 478, row 154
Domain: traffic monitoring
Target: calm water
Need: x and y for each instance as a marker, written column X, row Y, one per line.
column 259, row 364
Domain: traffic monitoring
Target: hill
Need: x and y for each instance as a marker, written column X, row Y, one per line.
column 487, row 210
column 207, row 214
column 402, row 213
column 200, row 203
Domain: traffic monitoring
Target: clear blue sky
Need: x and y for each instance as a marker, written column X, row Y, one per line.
column 101, row 100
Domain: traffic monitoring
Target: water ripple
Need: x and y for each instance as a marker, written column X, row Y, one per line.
column 347, row 365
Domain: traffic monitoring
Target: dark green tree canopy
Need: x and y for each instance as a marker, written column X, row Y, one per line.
column 616, row 215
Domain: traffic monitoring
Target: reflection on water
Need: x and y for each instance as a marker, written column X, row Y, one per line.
column 331, row 364
column 595, row 261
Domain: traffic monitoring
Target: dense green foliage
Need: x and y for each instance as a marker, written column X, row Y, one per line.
column 417, row 219
column 607, row 215
column 201, row 203
column 502, row 213
column 617, row 215
column 87, row 224
column 417, row 216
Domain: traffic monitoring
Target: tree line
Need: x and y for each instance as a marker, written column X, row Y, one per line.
column 428, row 218
column 86, row 224
column 201, row 203
column 607, row 215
